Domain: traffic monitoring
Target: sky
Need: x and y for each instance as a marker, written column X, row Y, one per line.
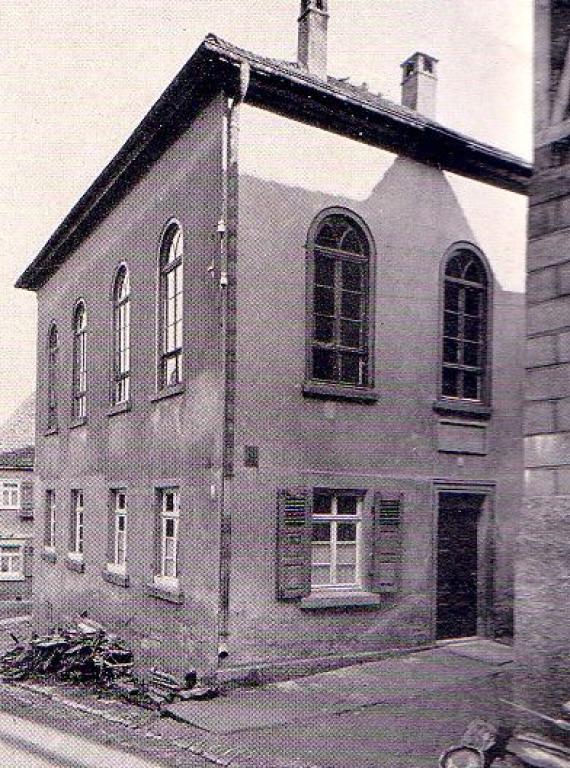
column 76, row 77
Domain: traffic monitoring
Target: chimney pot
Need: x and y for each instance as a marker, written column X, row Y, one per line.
column 419, row 83
column 313, row 29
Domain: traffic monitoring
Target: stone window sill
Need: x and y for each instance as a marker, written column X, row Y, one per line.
column 339, row 392
column 114, row 577
column 78, row 422
column 74, row 563
column 12, row 577
column 49, row 555
column 463, row 408
column 175, row 389
column 51, row 431
column 339, row 599
column 26, row 514
column 163, row 593
column 119, row 408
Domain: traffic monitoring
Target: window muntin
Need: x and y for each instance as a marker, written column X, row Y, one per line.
column 339, row 306
column 121, row 337
column 80, row 362
column 53, row 353
column 11, row 561
column 169, row 518
column 336, row 540
column 10, row 494
column 464, row 327
column 171, row 306
column 77, row 523
column 49, row 537
column 120, row 530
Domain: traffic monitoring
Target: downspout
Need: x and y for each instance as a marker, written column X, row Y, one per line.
column 228, row 231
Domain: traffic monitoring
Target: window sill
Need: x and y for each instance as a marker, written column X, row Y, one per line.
column 78, row 422
column 339, row 599
column 162, row 592
column 119, row 408
column 74, row 563
column 51, row 431
column 12, row 577
column 463, row 408
column 115, row 577
column 49, row 555
column 175, row 389
column 340, row 392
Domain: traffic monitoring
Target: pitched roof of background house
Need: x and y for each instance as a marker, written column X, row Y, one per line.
column 286, row 89
column 20, row 458
column 18, row 431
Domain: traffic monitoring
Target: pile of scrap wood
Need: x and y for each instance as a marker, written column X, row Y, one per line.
column 88, row 654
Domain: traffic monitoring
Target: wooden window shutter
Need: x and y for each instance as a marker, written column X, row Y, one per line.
column 27, row 498
column 294, row 531
column 387, row 544
column 110, row 529
column 28, row 555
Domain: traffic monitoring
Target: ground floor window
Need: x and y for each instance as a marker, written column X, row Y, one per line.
column 120, row 530
column 9, row 494
column 77, row 523
column 168, row 545
column 336, row 539
column 11, row 561
column 49, row 537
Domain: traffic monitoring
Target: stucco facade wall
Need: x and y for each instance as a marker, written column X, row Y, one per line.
column 157, row 442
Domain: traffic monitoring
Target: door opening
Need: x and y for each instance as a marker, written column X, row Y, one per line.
column 457, row 558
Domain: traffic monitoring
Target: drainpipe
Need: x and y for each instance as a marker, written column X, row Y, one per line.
column 227, row 229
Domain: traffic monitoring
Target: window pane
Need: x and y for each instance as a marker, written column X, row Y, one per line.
column 324, row 364
column 346, row 574
column 472, row 328
column 169, row 528
column 320, row 575
column 347, row 505
column 452, row 296
column 450, row 382
column 322, row 504
column 351, row 305
column 471, row 354
column 324, row 270
column 351, row 276
column 472, row 301
column 474, row 273
column 451, row 325
column 324, row 329
column 321, row 532
column 324, row 301
column 352, row 368
column 471, row 385
column 346, row 531
column 346, row 553
column 450, row 351
column 350, row 334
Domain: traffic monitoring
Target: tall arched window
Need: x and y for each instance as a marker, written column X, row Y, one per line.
column 121, row 336
column 53, row 352
column 340, row 254
column 80, row 361
column 171, row 295
column 465, row 312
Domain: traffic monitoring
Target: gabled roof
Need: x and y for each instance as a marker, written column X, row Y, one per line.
column 21, row 458
column 287, row 89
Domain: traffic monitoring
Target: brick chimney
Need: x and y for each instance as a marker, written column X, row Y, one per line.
column 313, row 26
column 419, row 83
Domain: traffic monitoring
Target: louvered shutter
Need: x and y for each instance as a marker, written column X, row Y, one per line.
column 293, row 544
column 387, row 544
column 27, row 498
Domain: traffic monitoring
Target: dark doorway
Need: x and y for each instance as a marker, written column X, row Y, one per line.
column 457, row 558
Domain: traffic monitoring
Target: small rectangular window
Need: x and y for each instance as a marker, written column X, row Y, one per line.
column 169, row 518
column 335, row 549
column 11, row 561
column 9, row 494
column 77, row 523
column 120, row 530
column 49, row 536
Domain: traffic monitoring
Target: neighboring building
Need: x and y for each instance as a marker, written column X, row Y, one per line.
column 277, row 422
column 542, row 575
column 16, row 528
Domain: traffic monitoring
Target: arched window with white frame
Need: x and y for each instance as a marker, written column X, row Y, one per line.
column 52, row 378
column 121, row 336
column 80, row 361
column 171, row 306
